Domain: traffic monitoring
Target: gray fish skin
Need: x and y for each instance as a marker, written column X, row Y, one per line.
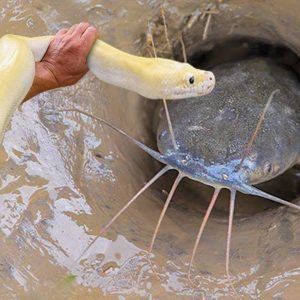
column 212, row 131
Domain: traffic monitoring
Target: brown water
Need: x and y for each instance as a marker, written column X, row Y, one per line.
column 63, row 176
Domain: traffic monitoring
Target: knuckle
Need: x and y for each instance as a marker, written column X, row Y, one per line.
column 62, row 29
column 74, row 45
column 66, row 39
column 93, row 31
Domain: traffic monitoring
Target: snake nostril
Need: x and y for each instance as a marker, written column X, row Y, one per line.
column 210, row 78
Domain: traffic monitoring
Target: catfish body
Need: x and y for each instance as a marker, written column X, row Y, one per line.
column 215, row 128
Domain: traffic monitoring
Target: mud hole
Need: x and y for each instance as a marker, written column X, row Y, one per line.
column 63, row 176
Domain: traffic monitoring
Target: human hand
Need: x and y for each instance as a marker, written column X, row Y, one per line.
column 65, row 61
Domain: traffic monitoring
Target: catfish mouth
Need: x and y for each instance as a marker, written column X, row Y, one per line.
column 233, row 176
column 233, row 182
column 215, row 175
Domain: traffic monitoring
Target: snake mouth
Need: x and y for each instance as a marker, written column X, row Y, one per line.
column 201, row 89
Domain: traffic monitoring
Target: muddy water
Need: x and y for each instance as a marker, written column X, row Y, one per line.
column 63, row 176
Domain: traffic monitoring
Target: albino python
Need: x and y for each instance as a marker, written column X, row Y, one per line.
column 152, row 78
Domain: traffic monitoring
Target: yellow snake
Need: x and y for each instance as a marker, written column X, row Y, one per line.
column 153, row 78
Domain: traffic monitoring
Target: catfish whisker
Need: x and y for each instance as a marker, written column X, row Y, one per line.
column 180, row 37
column 258, row 126
column 229, row 234
column 148, row 184
column 155, row 55
column 163, row 212
column 162, row 11
column 150, row 36
column 156, row 155
column 248, row 189
column 169, row 198
column 170, row 124
column 201, row 229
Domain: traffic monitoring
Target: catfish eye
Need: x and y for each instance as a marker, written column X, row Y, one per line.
column 268, row 168
column 191, row 80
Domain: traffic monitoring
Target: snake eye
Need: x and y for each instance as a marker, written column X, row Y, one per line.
column 191, row 80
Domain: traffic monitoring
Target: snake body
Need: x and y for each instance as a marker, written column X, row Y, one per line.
column 153, row 78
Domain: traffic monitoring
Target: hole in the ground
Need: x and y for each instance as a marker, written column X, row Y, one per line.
column 286, row 185
column 239, row 49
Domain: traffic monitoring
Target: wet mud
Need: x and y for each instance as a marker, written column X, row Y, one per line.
column 64, row 175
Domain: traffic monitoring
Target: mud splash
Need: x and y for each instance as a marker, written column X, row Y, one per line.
column 64, row 176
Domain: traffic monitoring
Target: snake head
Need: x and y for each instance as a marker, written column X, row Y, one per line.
column 181, row 80
column 191, row 82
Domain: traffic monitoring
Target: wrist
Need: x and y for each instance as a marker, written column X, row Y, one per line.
column 44, row 80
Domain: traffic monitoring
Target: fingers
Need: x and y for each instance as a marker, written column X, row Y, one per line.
column 72, row 28
column 80, row 29
column 87, row 33
column 62, row 31
column 89, row 36
column 68, row 52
